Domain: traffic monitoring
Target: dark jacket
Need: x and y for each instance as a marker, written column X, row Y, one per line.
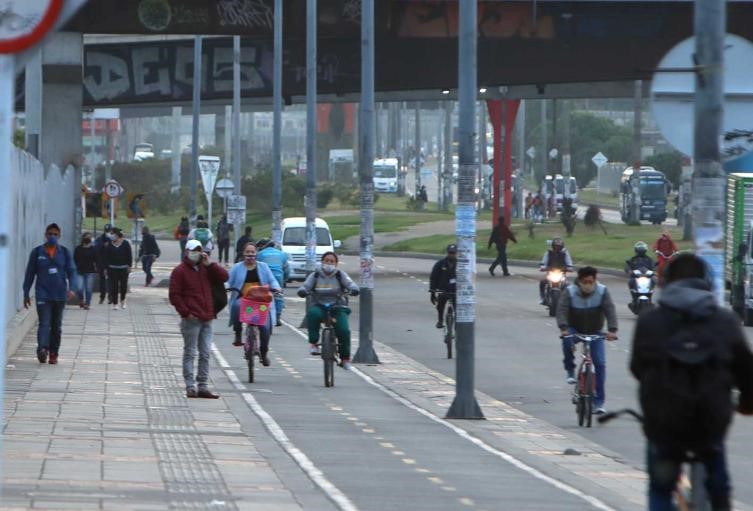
column 690, row 304
column 149, row 246
column 101, row 243
column 560, row 260
column 190, row 289
column 86, row 259
column 54, row 276
column 500, row 235
column 443, row 275
column 119, row 257
column 223, row 230
column 240, row 245
column 637, row 262
column 586, row 313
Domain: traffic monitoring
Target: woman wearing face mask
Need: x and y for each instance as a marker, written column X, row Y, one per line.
column 85, row 257
column 328, row 286
column 244, row 275
column 119, row 259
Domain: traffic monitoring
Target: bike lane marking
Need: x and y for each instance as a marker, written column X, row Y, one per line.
column 303, row 461
column 593, row 501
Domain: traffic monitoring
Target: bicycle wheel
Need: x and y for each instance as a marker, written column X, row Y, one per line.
column 449, row 329
column 249, row 347
column 328, row 357
column 589, row 398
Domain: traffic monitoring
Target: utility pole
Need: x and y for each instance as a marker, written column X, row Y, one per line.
column 553, row 168
column 276, row 137
column 365, row 353
column 236, row 150
column 440, row 196
column 311, row 76
column 635, row 217
column 176, row 160
column 708, row 177
column 480, row 178
column 566, row 106
column 195, row 130
column 418, row 148
column 447, row 174
column 464, row 406
column 544, row 142
column 521, row 126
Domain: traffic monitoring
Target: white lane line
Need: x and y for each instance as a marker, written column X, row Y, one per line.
column 303, row 461
column 594, row 501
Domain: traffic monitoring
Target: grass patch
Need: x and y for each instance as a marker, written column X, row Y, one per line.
column 343, row 227
column 585, row 246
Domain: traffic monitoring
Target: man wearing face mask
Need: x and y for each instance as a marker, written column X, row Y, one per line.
column 191, row 295
column 443, row 279
column 556, row 258
column 51, row 266
column 100, row 246
column 582, row 309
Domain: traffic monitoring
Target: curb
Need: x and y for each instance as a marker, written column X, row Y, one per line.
column 18, row 328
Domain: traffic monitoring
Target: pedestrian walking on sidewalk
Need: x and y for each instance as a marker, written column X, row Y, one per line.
column 181, row 232
column 51, row 266
column 148, row 253
column 100, row 245
column 119, row 259
column 242, row 242
column 500, row 235
column 85, row 257
column 223, row 239
column 191, row 295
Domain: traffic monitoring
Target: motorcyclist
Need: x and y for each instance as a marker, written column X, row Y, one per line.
column 557, row 257
column 277, row 260
column 639, row 261
column 443, row 278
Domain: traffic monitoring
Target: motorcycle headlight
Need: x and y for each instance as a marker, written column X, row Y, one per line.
column 554, row 277
column 644, row 281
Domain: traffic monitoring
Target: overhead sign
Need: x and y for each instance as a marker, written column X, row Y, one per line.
column 225, row 188
column 25, row 22
column 599, row 159
column 673, row 93
column 113, row 189
column 209, row 166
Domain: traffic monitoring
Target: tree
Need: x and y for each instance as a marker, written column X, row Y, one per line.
column 591, row 134
column 669, row 163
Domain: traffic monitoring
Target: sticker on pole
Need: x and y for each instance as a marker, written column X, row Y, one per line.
column 23, row 23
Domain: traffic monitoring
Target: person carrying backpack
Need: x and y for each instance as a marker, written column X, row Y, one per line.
column 688, row 355
column 181, row 232
column 203, row 235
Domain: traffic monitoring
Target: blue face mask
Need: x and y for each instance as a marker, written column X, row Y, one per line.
column 52, row 240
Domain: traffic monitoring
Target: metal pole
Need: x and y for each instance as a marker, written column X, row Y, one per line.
column 112, row 212
column 464, row 405
column 277, row 125
column 311, row 76
column 521, row 125
column 635, row 217
column 481, row 149
column 195, row 131
column 7, row 94
column 236, row 131
column 365, row 353
column 708, row 176
column 544, row 142
column 447, row 173
column 566, row 148
column 175, row 168
column 418, row 148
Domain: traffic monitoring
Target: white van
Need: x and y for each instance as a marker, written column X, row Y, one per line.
column 294, row 244
column 385, row 175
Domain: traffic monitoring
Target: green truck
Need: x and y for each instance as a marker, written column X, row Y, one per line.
column 738, row 250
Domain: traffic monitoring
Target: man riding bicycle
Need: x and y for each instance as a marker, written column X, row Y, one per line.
column 327, row 287
column 582, row 309
column 557, row 257
column 443, row 280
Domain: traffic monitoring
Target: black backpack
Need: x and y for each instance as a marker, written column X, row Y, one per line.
column 686, row 394
column 219, row 296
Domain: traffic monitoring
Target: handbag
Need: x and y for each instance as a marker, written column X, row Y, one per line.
column 260, row 294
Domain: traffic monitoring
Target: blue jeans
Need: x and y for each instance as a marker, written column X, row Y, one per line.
column 85, row 287
column 663, row 466
column 197, row 336
column 146, row 264
column 598, row 357
column 50, row 325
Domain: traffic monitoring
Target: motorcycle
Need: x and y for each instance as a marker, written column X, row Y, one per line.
column 556, row 282
column 643, row 292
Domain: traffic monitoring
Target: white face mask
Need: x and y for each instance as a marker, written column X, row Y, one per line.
column 329, row 268
column 194, row 257
column 587, row 289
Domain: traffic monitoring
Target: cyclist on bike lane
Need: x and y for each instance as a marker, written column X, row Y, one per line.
column 582, row 309
column 443, row 279
column 327, row 286
column 556, row 258
column 245, row 275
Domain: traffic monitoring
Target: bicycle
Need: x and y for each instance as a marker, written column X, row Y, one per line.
column 585, row 387
column 329, row 345
column 689, row 492
column 251, row 349
column 448, row 335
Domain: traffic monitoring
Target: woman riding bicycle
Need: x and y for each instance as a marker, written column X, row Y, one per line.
column 245, row 275
column 327, row 286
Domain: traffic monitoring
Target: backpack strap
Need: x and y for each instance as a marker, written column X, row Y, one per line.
column 337, row 275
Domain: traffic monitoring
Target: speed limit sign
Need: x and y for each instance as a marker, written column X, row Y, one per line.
column 113, row 189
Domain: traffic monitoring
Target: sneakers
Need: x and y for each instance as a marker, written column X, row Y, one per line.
column 101, row 300
column 237, row 341
column 265, row 360
column 439, row 324
column 53, row 358
column 314, row 350
column 542, row 301
column 507, row 274
column 191, row 392
column 570, row 378
column 42, row 355
column 279, row 322
column 491, row 271
column 346, row 364
column 207, row 394
column 123, row 305
column 114, row 306
column 600, row 411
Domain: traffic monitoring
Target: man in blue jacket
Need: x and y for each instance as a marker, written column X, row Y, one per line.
column 51, row 265
column 278, row 263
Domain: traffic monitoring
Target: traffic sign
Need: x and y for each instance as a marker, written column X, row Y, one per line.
column 26, row 22
column 553, row 153
column 599, row 159
column 673, row 93
column 113, row 189
column 209, row 166
column 225, row 188
column 236, row 202
column 531, row 152
column 236, row 209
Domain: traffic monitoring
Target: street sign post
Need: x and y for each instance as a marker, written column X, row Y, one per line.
column 113, row 190
column 225, row 188
column 209, row 167
column 599, row 160
column 236, row 209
